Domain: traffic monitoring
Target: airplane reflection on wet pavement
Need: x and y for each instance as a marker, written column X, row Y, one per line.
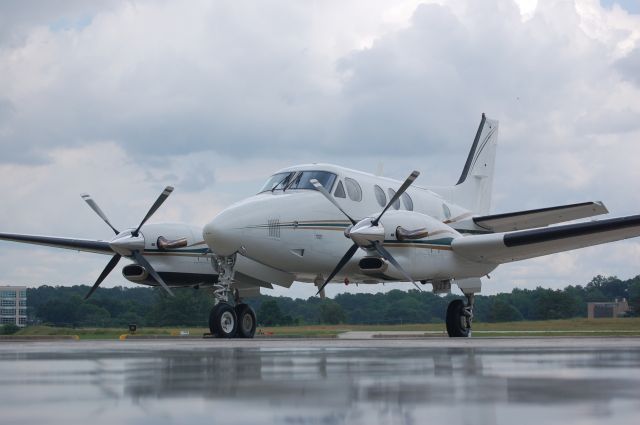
column 328, row 382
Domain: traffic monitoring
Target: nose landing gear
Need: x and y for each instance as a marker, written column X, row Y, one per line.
column 459, row 317
column 225, row 320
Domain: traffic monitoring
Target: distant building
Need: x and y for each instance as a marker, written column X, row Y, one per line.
column 13, row 305
column 616, row 308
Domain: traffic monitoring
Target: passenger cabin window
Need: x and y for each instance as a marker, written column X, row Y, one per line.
column 407, row 201
column 353, row 189
column 396, row 205
column 339, row 193
column 302, row 180
column 380, row 196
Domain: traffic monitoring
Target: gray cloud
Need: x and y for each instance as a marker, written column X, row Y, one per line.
column 629, row 66
column 213, row 97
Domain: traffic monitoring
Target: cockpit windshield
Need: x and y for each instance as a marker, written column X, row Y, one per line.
column 277, row 181
column 299, row 180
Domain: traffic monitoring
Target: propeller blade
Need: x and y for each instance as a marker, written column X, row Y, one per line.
column 144, row 263
column 412, row 177
column 87, row 198
column 387, row 256
column 110, row 265
column 163, row 196
column 331, row 199
column 344, row 260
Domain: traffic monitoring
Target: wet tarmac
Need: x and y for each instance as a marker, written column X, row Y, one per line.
column 380, row 381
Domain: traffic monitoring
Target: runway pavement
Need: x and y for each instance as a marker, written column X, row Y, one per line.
column 322, row 381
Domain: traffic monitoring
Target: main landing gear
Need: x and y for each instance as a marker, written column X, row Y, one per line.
column 459, row 317
column 225, row 320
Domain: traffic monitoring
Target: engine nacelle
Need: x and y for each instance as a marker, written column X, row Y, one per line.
column 418, row 242
column 411, row 225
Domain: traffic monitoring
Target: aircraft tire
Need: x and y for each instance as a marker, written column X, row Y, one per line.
column 247, row 321
column 455, row 320
column 223, row 322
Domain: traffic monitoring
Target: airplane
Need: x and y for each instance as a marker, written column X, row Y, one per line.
column 323, row 223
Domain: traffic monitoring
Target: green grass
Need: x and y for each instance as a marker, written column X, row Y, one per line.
column 99, row 333
column 600, row 327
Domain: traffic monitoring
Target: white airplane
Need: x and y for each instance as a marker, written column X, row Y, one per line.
column 322, row 224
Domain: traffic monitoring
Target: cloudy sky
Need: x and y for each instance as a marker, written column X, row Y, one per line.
column 120, row 98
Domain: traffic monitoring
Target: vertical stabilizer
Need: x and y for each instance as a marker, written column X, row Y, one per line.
column 475, row 186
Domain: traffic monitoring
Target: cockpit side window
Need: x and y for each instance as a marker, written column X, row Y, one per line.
column 353, row 189
column 302, row 180
column 277, row 181
column 339, row 193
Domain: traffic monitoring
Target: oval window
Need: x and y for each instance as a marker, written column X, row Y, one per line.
column 396, row 205
column 353, row 189
column 380, row 196
column 407, row 201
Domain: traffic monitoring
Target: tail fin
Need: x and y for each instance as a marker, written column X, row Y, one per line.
column 475, row 185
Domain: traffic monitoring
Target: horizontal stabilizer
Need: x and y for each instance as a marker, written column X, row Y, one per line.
column 497, row 248
column 542, row 217
column 100, row 247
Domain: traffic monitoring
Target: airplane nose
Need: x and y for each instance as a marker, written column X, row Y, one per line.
column 221, row 235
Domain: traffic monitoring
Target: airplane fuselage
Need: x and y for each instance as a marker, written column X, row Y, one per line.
column 297, row 230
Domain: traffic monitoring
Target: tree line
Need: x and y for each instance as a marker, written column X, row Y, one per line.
column 120, row 306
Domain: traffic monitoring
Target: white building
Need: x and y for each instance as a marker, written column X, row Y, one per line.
column 13, row 305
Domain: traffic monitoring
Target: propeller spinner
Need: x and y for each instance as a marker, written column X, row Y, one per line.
column 367, row 233
column 129, row 243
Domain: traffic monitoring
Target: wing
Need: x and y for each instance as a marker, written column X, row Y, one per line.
column 531, row 219
column 499, row 248
column 99, row 247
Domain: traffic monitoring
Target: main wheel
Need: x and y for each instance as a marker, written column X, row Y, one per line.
column 246, row 321
column 458, row 324
column 223, row 321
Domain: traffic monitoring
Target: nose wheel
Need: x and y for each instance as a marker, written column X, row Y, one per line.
column 246, row 321
column 226, row 321
column 223, row 321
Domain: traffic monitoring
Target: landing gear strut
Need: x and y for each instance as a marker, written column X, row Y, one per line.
column 459, row 317
column 225, row 320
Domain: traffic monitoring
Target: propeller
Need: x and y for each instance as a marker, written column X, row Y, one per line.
column 367, row 233
column 344, row 260
column 163, row 197
column 331, row 199
column 87, row 198
column 387, row 256
column 412, row 177
column 128, row 244
column 110, row 266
